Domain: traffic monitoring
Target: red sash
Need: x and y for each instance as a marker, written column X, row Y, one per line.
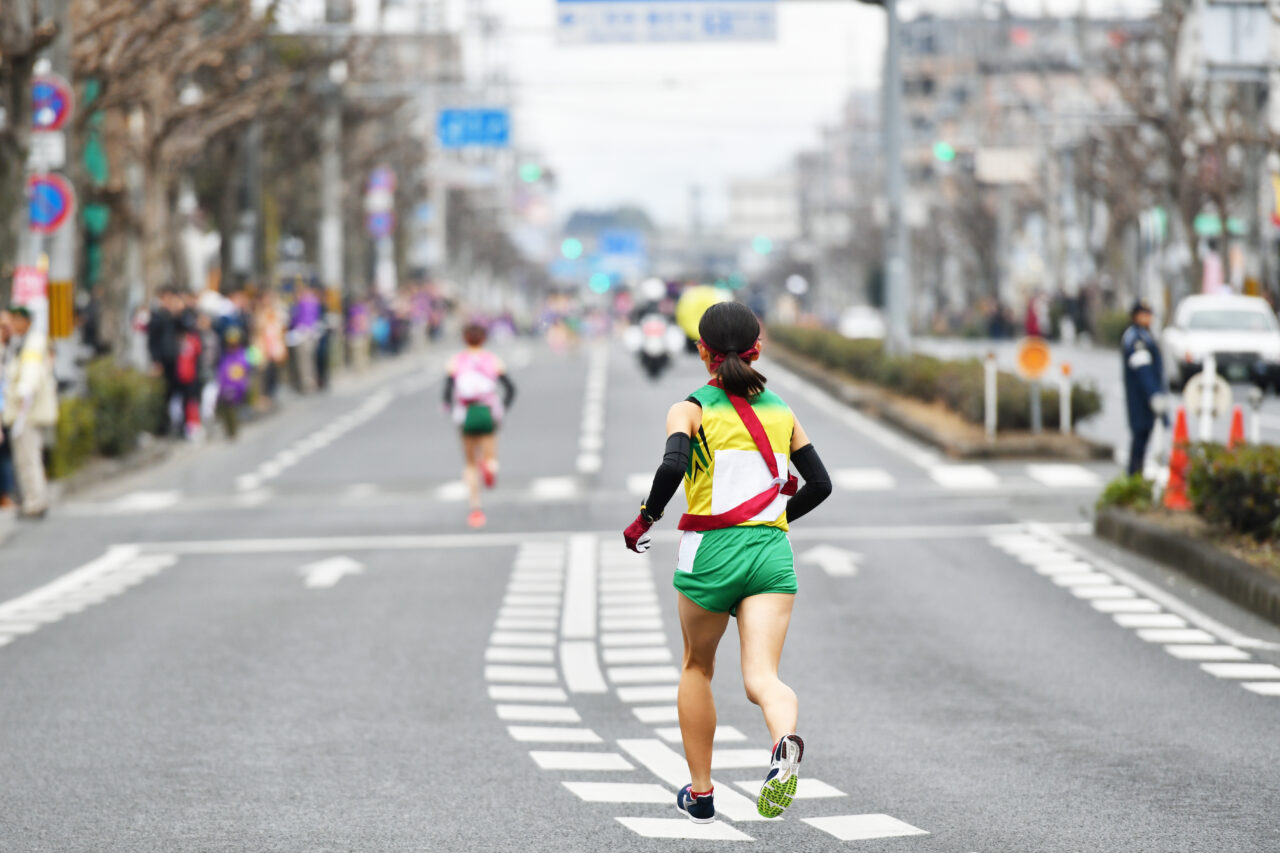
column 753, row 507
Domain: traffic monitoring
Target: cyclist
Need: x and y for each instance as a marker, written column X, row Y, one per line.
column 731, row 442
column 478, row 392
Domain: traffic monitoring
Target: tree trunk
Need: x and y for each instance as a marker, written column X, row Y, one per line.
column 14, row 143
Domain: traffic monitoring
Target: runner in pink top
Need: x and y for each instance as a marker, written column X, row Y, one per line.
column 478, row 393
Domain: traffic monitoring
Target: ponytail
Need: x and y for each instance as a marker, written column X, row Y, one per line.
column 738, row 377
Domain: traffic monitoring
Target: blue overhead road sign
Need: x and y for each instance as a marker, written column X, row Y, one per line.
column 637, row 21
column 474, row 128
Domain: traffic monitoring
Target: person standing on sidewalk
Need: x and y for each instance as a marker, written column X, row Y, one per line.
column 8, row 489
column 30, row 404
column 1143, row 383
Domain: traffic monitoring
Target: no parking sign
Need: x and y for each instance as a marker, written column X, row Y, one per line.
column 52, row 101
column 51, row 201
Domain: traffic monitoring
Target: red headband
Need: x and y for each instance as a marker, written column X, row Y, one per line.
column 717, row 358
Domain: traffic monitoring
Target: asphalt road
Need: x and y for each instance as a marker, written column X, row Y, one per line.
column 294, row 643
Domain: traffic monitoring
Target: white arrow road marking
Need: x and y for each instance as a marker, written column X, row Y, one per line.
column 837, row 562
column 323, row 574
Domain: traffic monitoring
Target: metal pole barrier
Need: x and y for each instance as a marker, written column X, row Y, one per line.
column 1037, row 416
column 1206, row 397
column 1064, row 400
column 1255, row 422
column 989, row 396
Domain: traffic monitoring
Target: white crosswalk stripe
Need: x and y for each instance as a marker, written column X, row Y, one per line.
column 862, row 479
column 1063, row 475
column 964, row 477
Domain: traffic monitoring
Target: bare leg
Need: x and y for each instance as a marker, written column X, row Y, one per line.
column 471, row 473
column 702, row 630
column 762, row 628
column 489, row 452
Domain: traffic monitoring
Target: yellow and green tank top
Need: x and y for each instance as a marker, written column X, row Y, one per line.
column 725, row 467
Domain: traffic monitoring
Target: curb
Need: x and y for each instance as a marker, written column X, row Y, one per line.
column 883, row 406
column 1229, row 576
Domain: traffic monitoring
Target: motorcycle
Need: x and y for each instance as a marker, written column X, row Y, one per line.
column 654, row 339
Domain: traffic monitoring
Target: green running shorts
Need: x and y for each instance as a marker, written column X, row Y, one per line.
column 719, row 568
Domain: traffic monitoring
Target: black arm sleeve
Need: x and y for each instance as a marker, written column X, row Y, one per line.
column 508, row 390
column 817, row 483
column 448, row 391
column 675, row 462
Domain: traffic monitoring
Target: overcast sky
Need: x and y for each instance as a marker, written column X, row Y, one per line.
column 643, row 123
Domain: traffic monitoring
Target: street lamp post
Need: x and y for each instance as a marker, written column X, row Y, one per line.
column 897, row 267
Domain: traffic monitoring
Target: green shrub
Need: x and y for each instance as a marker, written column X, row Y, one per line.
column 75, row 442
column 1131, row 491
column 1110, row 328
column 958, row 385
column 126, row 403
column 1239, row 488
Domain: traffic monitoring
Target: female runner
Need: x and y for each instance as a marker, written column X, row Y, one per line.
column 731, row 442
column 472, row 393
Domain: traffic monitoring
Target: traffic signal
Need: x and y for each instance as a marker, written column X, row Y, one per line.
column 600, row 282
column 943, row 151
column 571, row 248
column 530, row 173
column 762, row 245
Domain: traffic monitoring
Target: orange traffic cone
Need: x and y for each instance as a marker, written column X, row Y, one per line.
column 1175, row 491
column 1237, row 428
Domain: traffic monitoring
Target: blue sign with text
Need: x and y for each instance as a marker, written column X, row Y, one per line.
column 640, row 21
column 474, row 128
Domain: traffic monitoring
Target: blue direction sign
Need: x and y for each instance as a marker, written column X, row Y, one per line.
column 51, row 202
column 636, row 21
column 474, row 128
column 51, row 102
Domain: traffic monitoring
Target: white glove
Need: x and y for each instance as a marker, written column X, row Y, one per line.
column 1159, row 404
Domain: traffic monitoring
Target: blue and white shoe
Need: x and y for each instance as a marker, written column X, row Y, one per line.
column 779, row 787
column 699, row 809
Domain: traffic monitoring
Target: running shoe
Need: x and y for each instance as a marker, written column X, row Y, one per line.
column 489, row 473
column 784, row 775
column 476, row 518
column 699, row 808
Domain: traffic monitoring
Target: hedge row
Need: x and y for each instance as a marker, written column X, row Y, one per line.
column 1239, row 488
column 958, row 385
column 120, row 405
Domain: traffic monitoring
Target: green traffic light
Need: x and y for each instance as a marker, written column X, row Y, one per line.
column 571, row 248
column 600, row 282
column 762, row 245
column 530, row 173
column 944, row 152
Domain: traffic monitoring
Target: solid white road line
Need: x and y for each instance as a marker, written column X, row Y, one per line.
column 1241, row 670
column 648, row 693
column 538, row 714
column 668, row 827
column 642, row 674
column 638, row 654
column 1203, row 652
column 643, row 638
column 520, row 693
column 620, row 792
column 808, row 789
column 579, row 619
column 552, row 734
column 1064, row 476
column 522, row 674
column 519, row 654
column 603, row 761
column 142, row 502
column 862, row 479
column 657, row 714
column 518, row 638
column 724, row 734
column 863, row 827
column 964, row 477
column 581, row 669
column 670, row 767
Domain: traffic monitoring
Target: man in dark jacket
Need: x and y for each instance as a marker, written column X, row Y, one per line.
column 1143, row 383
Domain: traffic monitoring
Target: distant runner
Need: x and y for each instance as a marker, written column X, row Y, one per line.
column 478, row 392
column 731, row 442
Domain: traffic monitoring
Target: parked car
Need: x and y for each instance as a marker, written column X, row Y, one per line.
column 1240, row 331
column 862, row 322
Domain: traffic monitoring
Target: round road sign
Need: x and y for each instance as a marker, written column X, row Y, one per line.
column 52, row 101
column 1033, row 358
column 1220, row 397
column 51, row 201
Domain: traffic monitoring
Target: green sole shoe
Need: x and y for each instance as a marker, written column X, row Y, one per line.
column 776, row 796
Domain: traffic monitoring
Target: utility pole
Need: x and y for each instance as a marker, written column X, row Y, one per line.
column 896, row 265
column 330, row 236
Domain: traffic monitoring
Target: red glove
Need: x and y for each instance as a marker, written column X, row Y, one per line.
column 637, row 534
